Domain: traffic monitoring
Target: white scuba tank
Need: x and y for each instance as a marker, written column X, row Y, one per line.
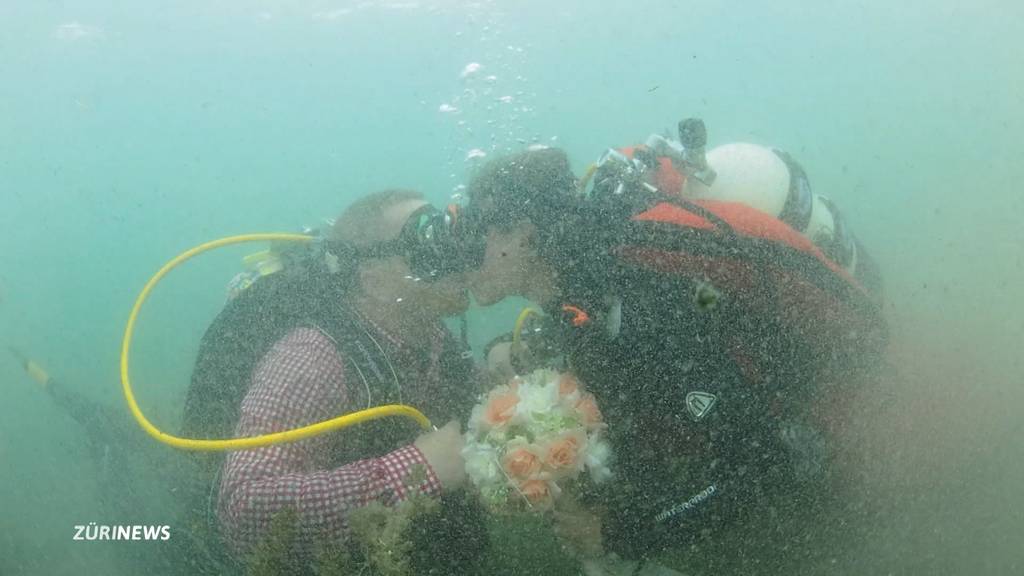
column 771, row 181
column 746, row 173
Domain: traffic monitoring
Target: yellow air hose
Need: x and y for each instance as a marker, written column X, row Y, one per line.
column 252, row 441
column 588, row 174
column 517, row 331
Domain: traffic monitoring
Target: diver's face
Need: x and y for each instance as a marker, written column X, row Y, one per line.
column 447, row 296
column 508, row 259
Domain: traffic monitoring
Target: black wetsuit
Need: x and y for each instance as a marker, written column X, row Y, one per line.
column 696, row 443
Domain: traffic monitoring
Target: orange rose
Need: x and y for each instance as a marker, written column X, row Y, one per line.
column 521, row 463
column 563, row 454
column 500, row 408
column 567, row 384
column 536, row 491
column 587, row 406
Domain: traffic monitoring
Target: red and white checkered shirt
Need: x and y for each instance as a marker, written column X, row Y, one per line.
column 300, row 381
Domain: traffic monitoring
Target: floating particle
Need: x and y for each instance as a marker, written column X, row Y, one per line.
column 73, row 31
column 470, row 69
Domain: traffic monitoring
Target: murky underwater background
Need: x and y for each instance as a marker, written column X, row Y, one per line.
column 132, row 131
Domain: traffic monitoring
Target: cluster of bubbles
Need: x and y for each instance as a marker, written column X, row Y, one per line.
column 493, row 103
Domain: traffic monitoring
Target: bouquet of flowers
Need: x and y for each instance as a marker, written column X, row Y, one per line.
column 531, row 437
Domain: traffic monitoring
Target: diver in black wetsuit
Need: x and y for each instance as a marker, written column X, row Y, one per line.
column 106, row 430
column 670, row 313
column 134, row 474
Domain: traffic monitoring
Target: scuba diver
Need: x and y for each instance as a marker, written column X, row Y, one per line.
column 714, row 334
column 118, row 448
column 109, row 434
column 349, row 322
column 104, row 427
column 132, row 471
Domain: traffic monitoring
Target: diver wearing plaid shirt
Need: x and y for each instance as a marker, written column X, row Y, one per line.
column 302, row 381
column 381, row 342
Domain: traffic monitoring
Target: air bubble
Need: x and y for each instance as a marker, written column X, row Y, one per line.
column 470, row 69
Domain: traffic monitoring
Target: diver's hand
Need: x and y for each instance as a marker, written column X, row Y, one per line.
column 442, row 450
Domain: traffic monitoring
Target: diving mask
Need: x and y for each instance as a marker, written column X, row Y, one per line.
column 435, row 242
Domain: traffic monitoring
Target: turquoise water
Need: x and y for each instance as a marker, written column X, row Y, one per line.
column 130, row 132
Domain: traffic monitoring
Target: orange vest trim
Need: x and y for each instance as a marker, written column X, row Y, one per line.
column 668, row 179
column 672, row 214
column 744, row 220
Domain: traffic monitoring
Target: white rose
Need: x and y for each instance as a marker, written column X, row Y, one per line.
column 476, row 426
column 536, row 400
column 597, row 455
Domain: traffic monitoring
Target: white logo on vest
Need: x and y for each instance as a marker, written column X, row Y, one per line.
column 699, row 404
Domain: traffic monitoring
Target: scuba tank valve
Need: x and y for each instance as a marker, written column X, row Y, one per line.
column 693, row 135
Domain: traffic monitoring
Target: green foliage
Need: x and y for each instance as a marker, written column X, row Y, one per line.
column 275, row 554
column 382, row 533
column 336, row 560
column 421, row 536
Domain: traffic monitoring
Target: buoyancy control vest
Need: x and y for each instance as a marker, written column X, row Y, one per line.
column 703, row 328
